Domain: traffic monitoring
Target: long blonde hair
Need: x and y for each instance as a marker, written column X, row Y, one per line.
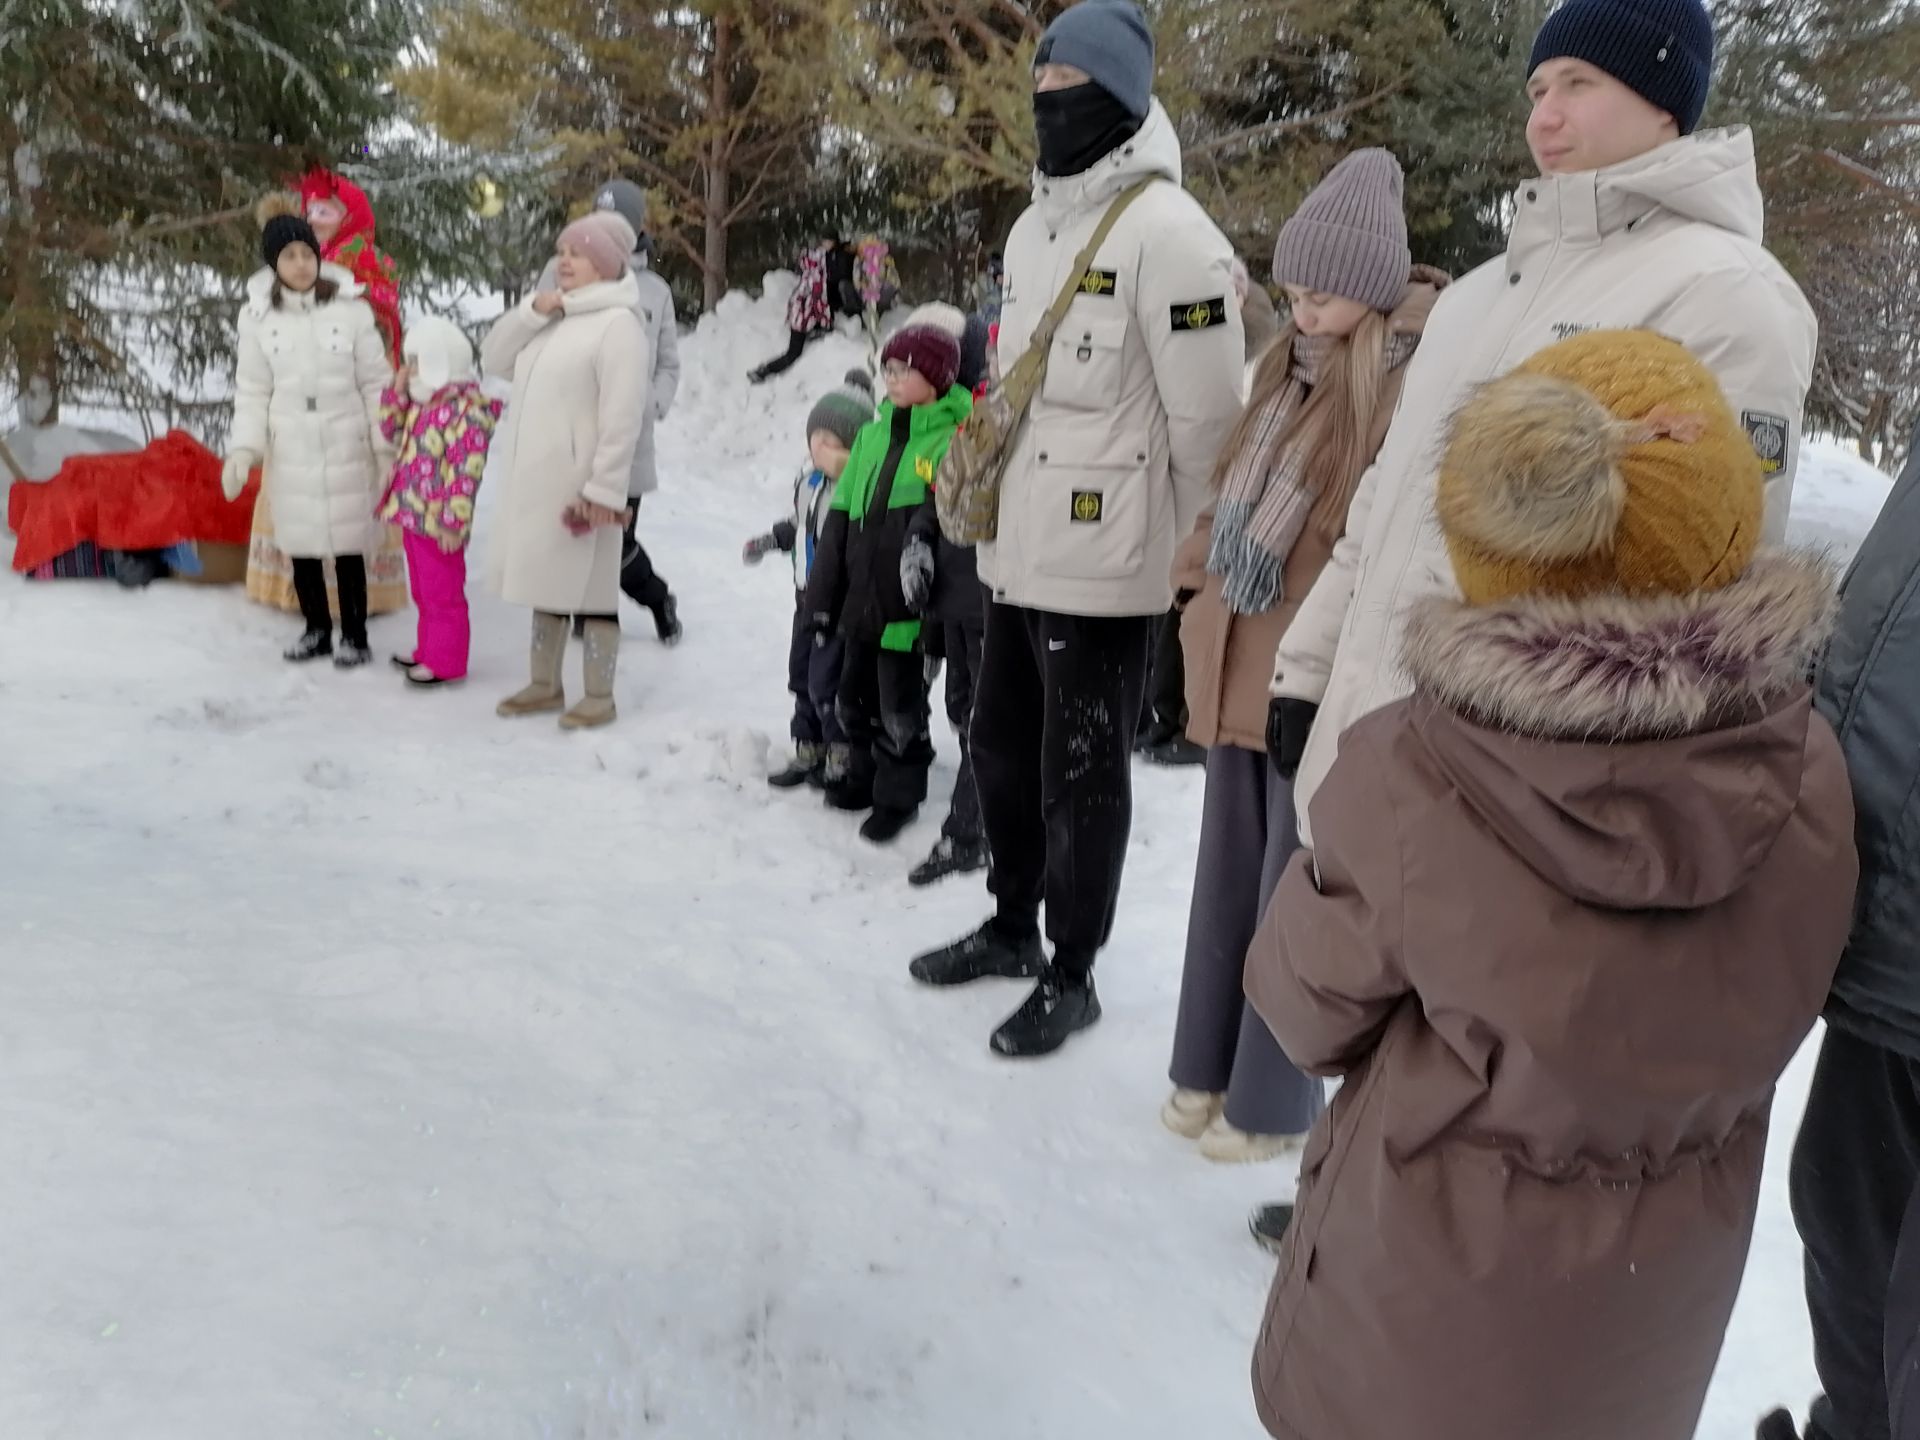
column 1334, row 427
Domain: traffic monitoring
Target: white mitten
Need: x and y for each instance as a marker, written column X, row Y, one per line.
column 233, row 474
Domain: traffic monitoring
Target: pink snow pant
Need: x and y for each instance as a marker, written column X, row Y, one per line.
column 439, row 582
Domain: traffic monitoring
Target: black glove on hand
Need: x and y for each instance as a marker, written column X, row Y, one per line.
column 1289, row 723
column 916, row 574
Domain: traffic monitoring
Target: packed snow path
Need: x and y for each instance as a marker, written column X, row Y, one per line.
column 370, row 1066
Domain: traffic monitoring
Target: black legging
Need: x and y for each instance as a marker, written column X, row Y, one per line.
column 796, row 343
column 350, row 577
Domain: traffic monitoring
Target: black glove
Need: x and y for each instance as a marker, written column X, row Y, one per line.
column 1289, row 723
column 820, row 625
column 916, row 575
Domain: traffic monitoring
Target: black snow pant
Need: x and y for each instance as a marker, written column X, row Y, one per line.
column 350, row 582
column 796, row 346
column 964, row 641
column 885, row 714
column 813, row 678
column 1856, row 1202
column 1053, row 729
column 638, row 579
column 1164, row 716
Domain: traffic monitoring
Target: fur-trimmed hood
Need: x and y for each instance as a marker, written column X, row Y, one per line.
column 1637, row 751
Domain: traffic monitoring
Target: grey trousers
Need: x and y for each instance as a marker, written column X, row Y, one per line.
column 1247, row 833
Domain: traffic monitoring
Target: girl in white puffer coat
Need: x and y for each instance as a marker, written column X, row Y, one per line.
column 307, row 405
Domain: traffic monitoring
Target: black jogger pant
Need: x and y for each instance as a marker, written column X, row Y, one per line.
column 638, row 579
column 884, row 713
column 1856, row 1201
column 350, row 582
column 1053, row 728
column 964, row 641
column 813, row 679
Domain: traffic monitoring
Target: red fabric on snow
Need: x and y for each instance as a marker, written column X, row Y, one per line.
column 147, row 499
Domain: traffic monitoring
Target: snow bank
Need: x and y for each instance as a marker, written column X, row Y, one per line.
column 1836, row 498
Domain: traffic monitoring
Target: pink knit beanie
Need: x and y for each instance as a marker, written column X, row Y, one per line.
column 605, row 239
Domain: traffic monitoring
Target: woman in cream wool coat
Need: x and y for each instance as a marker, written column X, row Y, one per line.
column 307, row 405
column 578, row 360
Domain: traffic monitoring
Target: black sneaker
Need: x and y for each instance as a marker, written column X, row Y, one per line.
column 314, row 645
column 949, row 857
column 1058, row 1009
column 803, row 769
column 1269, row 1223
column 987, row 953
column 352, row 654
column 886, row 822
column 666, row 621
column 1177, row 752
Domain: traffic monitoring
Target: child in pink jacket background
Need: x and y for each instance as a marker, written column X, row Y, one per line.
column 436, row 417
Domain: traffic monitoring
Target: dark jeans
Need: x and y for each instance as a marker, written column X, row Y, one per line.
column 964, row 642
column 884, row 712
column 350, row 582
column 813, row 678
column 1856, row 1200
column 1052, row 735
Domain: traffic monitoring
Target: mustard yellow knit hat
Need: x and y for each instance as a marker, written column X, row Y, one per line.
column 1607, row 462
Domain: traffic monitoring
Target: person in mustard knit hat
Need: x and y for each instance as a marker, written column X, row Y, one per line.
column 1573, row 907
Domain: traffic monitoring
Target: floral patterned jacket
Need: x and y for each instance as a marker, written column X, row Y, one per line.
column 442, row 447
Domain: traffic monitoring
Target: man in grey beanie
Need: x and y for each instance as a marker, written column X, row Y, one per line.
column 1107, row 474
column 639, row 581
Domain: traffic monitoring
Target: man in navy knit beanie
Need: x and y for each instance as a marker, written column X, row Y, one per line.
column 1612, row 79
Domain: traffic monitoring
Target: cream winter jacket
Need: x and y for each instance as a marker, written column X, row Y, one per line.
column 1670, row 242
column 1111, row 466
column 307, row 404
column 580, row 396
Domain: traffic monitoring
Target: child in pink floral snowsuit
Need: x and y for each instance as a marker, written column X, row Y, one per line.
column 436, row 417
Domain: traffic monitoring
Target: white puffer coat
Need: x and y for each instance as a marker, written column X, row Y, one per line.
column 1668, row 242
column 580, row 398
column 307, row 404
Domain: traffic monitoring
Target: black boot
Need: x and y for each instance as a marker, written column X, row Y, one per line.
column 1176, row 752
column 1060, row 1007
column 803, row 769
column 949, row 857
column 1269, row 1226
column 352, row 654
column 1779, row 1426
column 988, row 952
column 886, row 822
column 313, row 645
column 848, row 786
column 666, row 621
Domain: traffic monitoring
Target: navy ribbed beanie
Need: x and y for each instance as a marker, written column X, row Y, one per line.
column 1661, row 49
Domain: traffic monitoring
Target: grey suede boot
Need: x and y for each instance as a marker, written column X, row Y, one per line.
column 545, row 694
column 603, row 655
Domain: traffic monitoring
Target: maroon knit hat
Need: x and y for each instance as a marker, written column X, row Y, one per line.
column 929, row 344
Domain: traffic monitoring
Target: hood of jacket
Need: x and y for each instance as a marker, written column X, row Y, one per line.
column 1708, row 177
column 1153, row 151
column 260, row 286
column 1637, row 752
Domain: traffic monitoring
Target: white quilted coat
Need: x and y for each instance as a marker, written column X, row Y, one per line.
column 307, row 402
column 581, row 394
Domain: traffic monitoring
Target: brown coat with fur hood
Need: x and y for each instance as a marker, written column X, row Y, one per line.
column 1577, row 903
column 1229, row 657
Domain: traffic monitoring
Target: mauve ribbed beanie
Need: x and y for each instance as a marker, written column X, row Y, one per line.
column 1661, row 49
column 1349, row 237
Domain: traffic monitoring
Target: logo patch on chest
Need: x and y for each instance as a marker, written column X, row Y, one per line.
column 1089, row 507
column 923, row 468
column 1769, row 436
column 1200, row 314
column 1100, row 282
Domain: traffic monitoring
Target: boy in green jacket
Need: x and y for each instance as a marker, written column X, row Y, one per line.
column 873, row 575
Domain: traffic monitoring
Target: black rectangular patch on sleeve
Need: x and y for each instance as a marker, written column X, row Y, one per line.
column 1769, row 436
column 1200, row 314
column 1100, row 282
column 1089, row 507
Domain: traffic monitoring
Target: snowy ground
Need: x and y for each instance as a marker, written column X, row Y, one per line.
column 373, row 1067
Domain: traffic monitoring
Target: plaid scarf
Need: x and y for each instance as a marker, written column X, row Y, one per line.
column 1264, row 501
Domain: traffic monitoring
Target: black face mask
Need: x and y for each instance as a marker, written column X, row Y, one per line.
column 1078, row 128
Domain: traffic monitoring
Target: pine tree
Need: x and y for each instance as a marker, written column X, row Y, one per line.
column 133, row 139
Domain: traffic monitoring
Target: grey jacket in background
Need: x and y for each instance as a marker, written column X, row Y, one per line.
column 1869, row 689
column 655, row 311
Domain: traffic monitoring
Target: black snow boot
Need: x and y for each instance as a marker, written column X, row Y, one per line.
column 886, row 822
column 988, row 953
column 1059, row 1008
column 314, row 645
column 1269, row 1226
column 352, row 654
column 949, row 857
column 1779, row 1426
column 666, row 621
column 808, row 760
column 1176, row 752
column 845, row 789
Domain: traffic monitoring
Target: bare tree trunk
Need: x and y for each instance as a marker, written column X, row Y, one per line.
column 36, row 355
column 713, row 265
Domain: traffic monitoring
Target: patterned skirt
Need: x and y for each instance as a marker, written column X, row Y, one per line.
column 270, row 572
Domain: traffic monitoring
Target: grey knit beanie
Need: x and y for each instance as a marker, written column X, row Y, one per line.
column 843, row 412
column 625, row 199
column 1108, row 39
column 1349, row 237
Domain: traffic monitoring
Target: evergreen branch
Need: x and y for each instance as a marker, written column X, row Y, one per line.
column 1271, row 128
